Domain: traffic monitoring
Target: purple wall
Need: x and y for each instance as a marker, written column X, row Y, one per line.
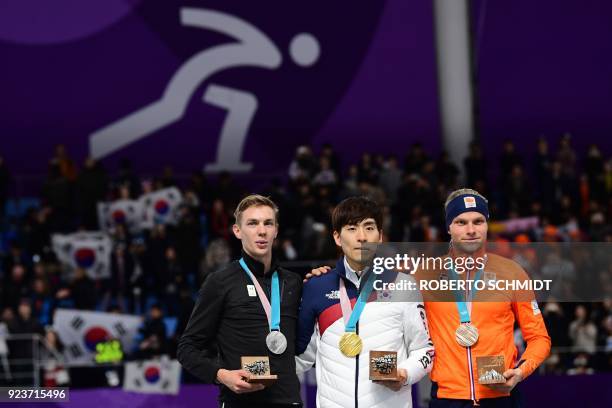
column 68, row 71
column 62, row 80
column 544, row 69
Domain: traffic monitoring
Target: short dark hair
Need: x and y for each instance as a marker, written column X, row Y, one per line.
column 353, row 210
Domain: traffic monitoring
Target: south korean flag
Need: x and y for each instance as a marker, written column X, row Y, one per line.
column 90, row 251
column 161, row 207
column 120, row 212
column 81, row 332
column 152, row 376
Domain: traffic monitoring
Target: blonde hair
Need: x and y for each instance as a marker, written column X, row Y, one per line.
column 460, row 192
column 255, row 200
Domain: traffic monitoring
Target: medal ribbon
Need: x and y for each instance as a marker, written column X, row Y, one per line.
column 464, row 313
column 274, row 317
column 352, row 317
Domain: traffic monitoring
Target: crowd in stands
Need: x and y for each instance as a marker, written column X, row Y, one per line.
column 157, row 273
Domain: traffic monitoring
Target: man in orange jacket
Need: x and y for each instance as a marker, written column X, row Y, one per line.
column 482, row 328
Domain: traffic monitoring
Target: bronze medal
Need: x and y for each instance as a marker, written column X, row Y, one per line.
column 466, row 335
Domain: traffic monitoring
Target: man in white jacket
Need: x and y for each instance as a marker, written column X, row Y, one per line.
column 339, row 323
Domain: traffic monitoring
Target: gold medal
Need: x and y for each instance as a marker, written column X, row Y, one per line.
column 350, row 344
column 466, row 334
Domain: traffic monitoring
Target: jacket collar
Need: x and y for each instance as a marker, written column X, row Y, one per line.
column 256, row 267
column 350, row 276
column 340, row 270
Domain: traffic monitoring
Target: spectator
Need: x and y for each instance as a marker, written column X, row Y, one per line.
column 366, row 172
column 553, row 365
column 598, row 227
column 561, row 272
column 594, row 169
column 219, row 221
column 475, row 166
column 566, row 155
column 583, row 332
column 17, row 283
column 15, row 256
column 556, row 324
column 227, row 190
column 126, row 177
column 608, row 177
column 199, row 185
column 508, row 160
column 607, row 326
column 36, row 231
column 8, row 315
column 328, row 151
column 447, row 171
column 428, row 177
column 21, row 348
column 326, row 176
column 167, row 178
column 581, row 365
column 91, row 185
column 415, row 159
column 55, row 374
column 517, row 192
column 154, row 335
column 187, row 241
column 542, row 163
column 556, row 186
column 303, row 165
column 66, row 165
column 171, row 279
column 83, row 291
column 42, row 301
column 390, row 179
column 57, row 194
column 351, row 182
column 217, row 254
column 122, row 269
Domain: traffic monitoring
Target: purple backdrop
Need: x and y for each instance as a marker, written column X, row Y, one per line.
column 544, row 69
column 69, row 71
column 63, row 80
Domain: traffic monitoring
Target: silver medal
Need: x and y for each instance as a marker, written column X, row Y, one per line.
column 276, row 342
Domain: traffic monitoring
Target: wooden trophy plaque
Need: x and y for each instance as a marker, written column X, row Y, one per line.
column 383, row 366
column 258, row 368
column 490, row 369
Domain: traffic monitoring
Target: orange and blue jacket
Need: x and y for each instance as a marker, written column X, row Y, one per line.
column 454, row 372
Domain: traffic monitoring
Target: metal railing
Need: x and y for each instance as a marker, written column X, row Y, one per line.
column 32, row 363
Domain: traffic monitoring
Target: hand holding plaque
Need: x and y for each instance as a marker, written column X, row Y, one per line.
column 258, row 368
column 383, row 366
column 384, row 370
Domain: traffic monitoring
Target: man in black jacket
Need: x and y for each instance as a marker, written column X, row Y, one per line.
column 230, row 320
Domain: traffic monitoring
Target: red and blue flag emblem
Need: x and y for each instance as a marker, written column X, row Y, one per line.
column 85, row 257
